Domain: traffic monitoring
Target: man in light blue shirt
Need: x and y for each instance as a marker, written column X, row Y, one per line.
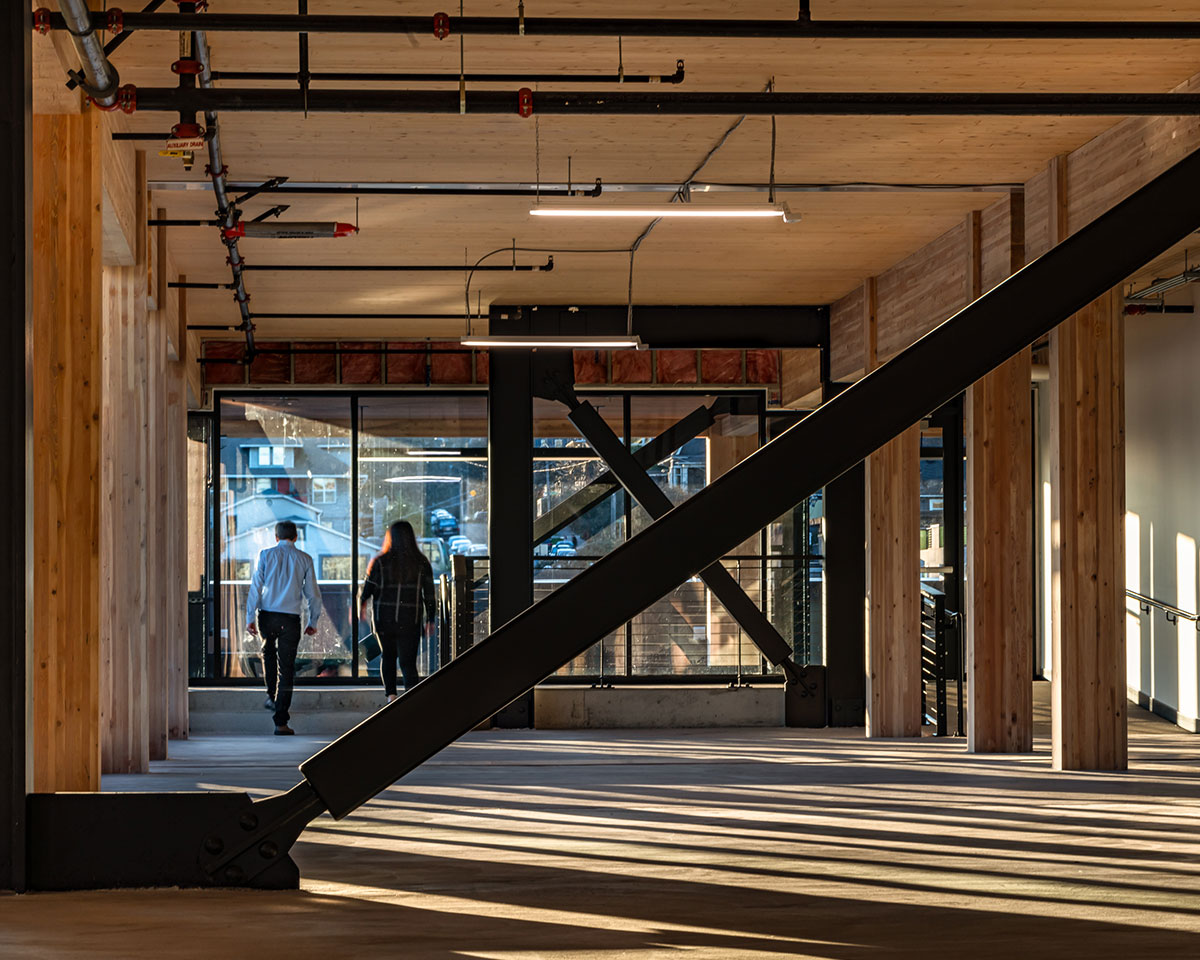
column 284, row 580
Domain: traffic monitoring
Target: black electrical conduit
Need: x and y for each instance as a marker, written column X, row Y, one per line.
column 378, row 267
column 802, row 28
column 384, row 191
column 330, row 351
column 521, row 78
column 687, row 104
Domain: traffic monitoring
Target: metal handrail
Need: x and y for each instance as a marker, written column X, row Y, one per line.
column 1173, row 612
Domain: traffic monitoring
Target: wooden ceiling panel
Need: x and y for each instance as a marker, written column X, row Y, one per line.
column 843, row 236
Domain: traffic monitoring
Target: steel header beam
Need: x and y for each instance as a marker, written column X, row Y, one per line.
column 803, row 28
column 175, row 99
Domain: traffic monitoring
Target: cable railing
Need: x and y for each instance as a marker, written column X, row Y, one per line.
column 941, row 660
column 1172, row 612
column 686, row 635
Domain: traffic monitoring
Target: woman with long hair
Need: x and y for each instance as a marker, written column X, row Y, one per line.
column 400, row 581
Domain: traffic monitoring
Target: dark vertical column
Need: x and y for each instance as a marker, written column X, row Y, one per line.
column 510, row 499
column 845, row 592
column 15, row 434
column 952, row 538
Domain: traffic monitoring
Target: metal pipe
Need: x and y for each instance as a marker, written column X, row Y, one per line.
column 120, row 38
column 1161, row 286
column 1134, row 309
column 357, row 316
column 463, row 188
column 687, row 104
column 802, row 28
column 522, row 78
column 100, row 77
column 226, row 212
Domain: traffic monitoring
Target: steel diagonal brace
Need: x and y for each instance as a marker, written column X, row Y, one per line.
column 655, row 502
column 605, row 485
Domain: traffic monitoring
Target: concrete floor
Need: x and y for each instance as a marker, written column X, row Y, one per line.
column 715, row 844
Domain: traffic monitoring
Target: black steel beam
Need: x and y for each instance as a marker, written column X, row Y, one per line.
column 821, row 447
column 325, row 76
column 16, row 115
column 684, row 327
column 798, row 29
column 624, row 103
column 605, row 485
column 645, row 491
column 399, row 267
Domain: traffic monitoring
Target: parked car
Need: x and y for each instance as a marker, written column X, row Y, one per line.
column 477, row 550
column 435, row 549
column 442, row 523
column 562, row 548
column 458, row 544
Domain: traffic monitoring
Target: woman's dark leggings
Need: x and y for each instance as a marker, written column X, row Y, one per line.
column 401, row 643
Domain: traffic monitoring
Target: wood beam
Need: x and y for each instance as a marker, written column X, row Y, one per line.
column 66, row 451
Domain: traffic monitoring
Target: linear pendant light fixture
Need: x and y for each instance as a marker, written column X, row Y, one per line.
column 566, row 342
column 699, row 210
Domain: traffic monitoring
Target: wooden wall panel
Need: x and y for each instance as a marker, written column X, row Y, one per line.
column 1002, row 241
column 66, row 451
column 119, row 177
column 1110, row 167
column 801, row 378
column 921, row 291
column 1087, row 441
column 846, row 348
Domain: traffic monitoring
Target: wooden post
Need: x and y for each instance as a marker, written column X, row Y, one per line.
column 999, row 614
column 124, row 547
column 66, row 451
column 1087, row 477
column 893, row 603
column 1087, row 468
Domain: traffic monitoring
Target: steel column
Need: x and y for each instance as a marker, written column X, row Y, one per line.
column 845, row 587
column 510, row 501
column 15, row 429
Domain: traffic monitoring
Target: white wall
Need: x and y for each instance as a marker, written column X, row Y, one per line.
column 1162, row 469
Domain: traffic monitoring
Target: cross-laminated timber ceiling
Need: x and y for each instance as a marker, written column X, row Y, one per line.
column 842, row 238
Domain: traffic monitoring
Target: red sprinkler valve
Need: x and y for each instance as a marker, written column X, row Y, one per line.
column 116, row 20
column 126, row 100
column 187, row 66
column 441, row 25
column 41, row 20
column 525, row 102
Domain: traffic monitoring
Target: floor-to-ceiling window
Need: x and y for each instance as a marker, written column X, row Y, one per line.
column 344, row 466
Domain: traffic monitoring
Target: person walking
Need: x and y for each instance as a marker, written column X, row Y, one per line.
column 400, row 581
column 284, row 580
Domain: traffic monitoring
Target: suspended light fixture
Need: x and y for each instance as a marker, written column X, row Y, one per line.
column 566, row 342
column 699, row 210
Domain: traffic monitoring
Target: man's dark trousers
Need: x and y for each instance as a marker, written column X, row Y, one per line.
column 281, row 640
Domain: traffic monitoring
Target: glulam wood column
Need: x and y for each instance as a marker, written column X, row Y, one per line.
column 66, row 451
column 893, row 603
column 999, row 610
column 1087, row 467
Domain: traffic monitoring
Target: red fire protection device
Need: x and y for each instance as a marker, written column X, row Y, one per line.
column 296, row 230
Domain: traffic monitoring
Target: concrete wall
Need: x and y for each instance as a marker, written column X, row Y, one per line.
column 1162, row 357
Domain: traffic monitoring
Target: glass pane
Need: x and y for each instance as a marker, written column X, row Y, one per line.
column 576, row 519
column 688, row 631
column 272, row 450
column 933, row 513
column 423, row 458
